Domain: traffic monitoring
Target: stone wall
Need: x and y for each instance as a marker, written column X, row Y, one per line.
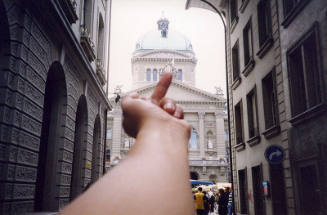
column 30, row 49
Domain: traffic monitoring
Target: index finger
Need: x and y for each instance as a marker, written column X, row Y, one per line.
column 161, row 88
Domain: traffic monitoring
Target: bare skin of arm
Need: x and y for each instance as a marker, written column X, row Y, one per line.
column 154, row 177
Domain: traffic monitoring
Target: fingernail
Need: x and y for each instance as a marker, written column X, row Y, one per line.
column 169, row 106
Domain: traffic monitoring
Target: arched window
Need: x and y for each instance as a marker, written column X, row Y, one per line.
column 155, row 75
column 148, row 74
column 87, row 14
column 100, row 45
column 180, row 75
column 209, row 140
column 193, row 142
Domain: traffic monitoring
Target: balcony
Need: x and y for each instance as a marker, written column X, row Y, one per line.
column 100, row 71
column 69, row 7
column 87, row 43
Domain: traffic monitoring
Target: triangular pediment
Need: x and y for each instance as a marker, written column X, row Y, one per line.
column 181, row 93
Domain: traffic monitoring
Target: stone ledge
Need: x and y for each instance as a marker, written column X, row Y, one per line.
column 239, row 147
column 254, row 140
column 271, row 132
column 243, row 5
column 265, row 47
column 249, row 67
column 308, row 114
column 236, row 82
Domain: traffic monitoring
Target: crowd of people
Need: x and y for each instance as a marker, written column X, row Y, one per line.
column 211, row 203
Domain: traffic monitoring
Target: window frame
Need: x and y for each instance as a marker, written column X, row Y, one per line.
column 273, row 129
column 252, row 95
column 309, row 111
column 235, row 76
column 264, row 43
column 148, row 74
column 233, row 13
column 241, row 126
column 233, row 17
column 193, row 130
column 248, row 48
column 290, row 15
column 180, row 74
column 155, row 75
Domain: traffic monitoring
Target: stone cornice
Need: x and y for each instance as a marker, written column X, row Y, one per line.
column 149, row 52
column 146, row 56
column 140, row 59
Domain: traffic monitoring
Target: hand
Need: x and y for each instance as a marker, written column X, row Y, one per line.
column 138, row 111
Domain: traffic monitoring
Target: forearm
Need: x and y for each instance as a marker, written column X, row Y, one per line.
column 154, row 175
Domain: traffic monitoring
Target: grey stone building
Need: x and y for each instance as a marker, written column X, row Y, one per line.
column 276, row 67
column 53, row 103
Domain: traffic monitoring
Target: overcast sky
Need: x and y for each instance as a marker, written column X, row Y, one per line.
column 131, row 19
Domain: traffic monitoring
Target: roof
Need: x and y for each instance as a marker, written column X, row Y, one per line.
column 154, row 41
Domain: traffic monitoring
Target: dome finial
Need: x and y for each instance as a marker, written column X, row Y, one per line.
column 163, row 25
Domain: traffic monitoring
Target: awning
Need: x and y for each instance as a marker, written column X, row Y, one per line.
column 201, row 182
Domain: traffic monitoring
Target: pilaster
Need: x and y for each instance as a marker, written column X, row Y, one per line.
column 201, row 133
column 220, row 139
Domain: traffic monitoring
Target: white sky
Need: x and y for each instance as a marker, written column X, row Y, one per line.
column 131, row 19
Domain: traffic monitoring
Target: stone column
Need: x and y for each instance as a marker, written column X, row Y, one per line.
column 220, row 137
column 201, row 134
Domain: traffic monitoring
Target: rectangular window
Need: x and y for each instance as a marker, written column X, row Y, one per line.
column 264, row 21
column 303, row 69
column 238, row 123
column 247, row 37
column 180, row 75
column 259, row 205
column 291, row 5
column 148, row 74
column 235, row 60
column 270, row 100
column 252, row 113
column 108, row 136
column 242, row 181
column 107, row 154
column 155, row 75
column 233, row 10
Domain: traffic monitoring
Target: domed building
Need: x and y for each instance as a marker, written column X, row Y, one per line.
column 162, row 51
column 157, row 49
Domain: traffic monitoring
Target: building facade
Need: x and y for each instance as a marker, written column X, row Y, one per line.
column 161, row 51
column 53, row 103
column 276, row 82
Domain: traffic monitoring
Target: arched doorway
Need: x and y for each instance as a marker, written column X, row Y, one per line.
column 80, row 139
column 55, row 101
column 213, row 178
column 194, row 176
column 96, row 149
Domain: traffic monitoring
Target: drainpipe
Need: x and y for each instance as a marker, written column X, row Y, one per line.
column 105, row 142
column 227, row 94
